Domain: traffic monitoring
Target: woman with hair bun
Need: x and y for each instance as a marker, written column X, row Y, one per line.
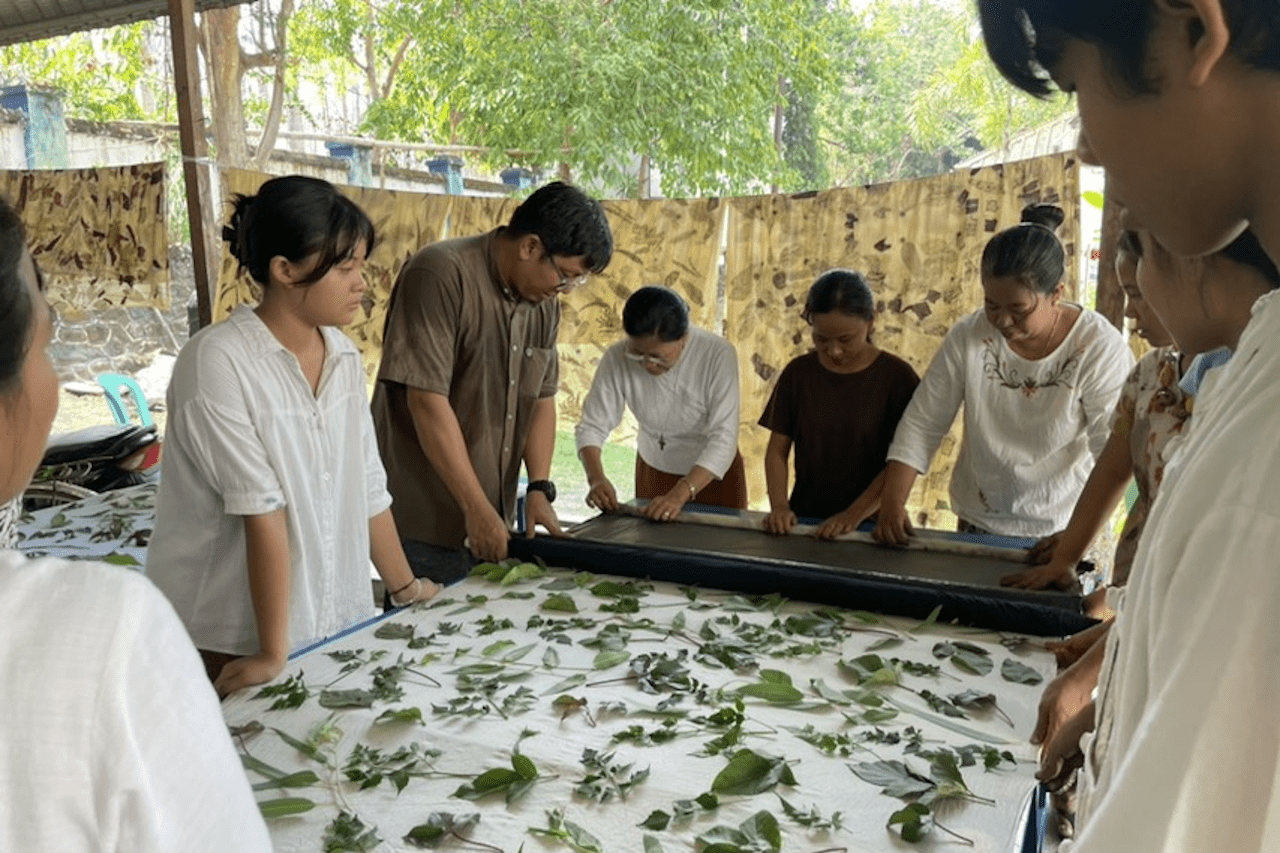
column 838, row 407
column 273, row 498
column 1038, row 378
column 682, row 385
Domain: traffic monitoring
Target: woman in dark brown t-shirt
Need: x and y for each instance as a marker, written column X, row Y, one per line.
column 838, row 406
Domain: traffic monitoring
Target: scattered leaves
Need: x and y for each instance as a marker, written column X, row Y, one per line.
column 748, row 772
column 439, row 826
column 1019, row 673
column 966, row 656
column 347, row 832
column 289, row 694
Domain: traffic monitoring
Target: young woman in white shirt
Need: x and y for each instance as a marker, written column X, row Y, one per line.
column 273, row 498
column 112, row 737
column 1038, row 378
column 682, row 385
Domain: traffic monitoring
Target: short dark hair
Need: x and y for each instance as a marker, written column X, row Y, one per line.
column 1025, row 38
column 1031, row 251
column 17, row 312
column 840, row 290
column 654, row 310
column 568, row 222
column 296, row 217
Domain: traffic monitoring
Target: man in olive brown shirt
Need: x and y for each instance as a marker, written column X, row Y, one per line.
column 466, row 388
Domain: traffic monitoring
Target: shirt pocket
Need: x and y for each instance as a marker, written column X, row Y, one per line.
column 533, row 370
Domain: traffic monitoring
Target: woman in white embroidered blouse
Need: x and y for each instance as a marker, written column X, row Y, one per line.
column 682, row 385
column 1038, row 378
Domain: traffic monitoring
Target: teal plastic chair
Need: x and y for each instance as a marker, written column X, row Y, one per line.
column 115, row 383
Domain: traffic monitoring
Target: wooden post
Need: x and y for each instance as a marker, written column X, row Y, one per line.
column 195, row 151
column 1110, row 297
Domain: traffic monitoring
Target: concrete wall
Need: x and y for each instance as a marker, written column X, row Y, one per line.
column 125, row 340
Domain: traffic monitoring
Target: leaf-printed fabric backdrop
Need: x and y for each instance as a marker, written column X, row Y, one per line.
column 99, row 235
column 919, row 242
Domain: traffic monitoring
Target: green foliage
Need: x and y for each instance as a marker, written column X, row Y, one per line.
column 757, row 834
column 606, row 778
column 285, row 807
column 513, row 783
column 568, row 833
column 966, row 656
column 347, row 832
column 1019, row 673
column 367, row 766
column 290, row 693
column 811, row 819
column 749, row 772
column 919, row 94
column 101, row 74
column 439, row 826
column 774, row 686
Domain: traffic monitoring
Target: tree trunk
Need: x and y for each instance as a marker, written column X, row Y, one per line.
column 221, row 31
column 279, row 58
column 1110, row 298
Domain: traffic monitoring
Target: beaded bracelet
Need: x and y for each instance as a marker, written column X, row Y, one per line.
column 416, row 583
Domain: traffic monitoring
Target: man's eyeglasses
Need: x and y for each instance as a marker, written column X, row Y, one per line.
column 566, row 283
column 646, row 358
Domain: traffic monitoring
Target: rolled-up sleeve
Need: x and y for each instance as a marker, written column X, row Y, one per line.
column 724, row 404
column 420, row 338
column 223, row 443
column 933, row 406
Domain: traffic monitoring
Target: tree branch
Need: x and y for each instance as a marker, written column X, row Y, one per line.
column 401, row 51
column 271, row 126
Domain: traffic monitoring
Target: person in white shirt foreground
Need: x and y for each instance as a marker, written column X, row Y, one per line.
column 1038, row 378
column 1232, row 282
column 111, row 738
column 273, row 497
column 682, row 385
column 1178, row 102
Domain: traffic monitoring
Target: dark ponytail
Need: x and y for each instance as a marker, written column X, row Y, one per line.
column 295, row 217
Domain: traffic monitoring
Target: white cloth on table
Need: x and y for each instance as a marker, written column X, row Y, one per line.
column 687, row 416
column 246, row 436
column 1032, row 428
column 111, row 737
column 1187, row 752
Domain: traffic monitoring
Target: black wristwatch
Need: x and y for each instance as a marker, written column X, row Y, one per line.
column 547, row 487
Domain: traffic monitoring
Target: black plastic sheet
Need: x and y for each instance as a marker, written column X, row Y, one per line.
column 853, row 575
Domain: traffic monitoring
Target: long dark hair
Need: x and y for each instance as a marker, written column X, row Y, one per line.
column 17, row 312
column 295, row 217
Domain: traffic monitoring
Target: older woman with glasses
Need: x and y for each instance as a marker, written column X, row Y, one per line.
column 681, row 384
